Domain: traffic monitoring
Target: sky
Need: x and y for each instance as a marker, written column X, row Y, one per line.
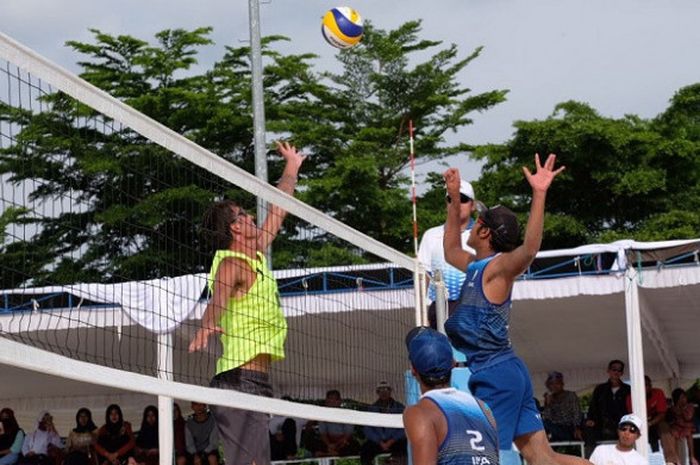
column 620, row 56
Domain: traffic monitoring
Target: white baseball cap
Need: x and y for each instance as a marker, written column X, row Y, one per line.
column 465, row 187
column 631, row 419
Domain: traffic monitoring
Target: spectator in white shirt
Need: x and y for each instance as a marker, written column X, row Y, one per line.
column 622, row 453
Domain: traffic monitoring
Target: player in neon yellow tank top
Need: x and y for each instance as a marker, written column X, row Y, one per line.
column 245, row 310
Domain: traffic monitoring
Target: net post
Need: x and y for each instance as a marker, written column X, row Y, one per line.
column 165, row 403
column 440, row 301
column 258, row 107
column 419, row 293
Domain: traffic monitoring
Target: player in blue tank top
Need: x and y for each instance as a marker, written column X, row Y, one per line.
column 446, row 426
column 479, row 325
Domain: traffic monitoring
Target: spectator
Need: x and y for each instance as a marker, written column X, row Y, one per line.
column 623, row 452
column 383, row 440
column 201, row 435
column 608, row 405
column 680, row 418
column 336, row 438
column 11, row 439
column 656, row 414
column 146, row 450
column 179, row 443
column 80, row 445
column 44, row 441
column 694, row 398
column 283, row 438
column 7, row 413
column 115, row 439
column 561, row 414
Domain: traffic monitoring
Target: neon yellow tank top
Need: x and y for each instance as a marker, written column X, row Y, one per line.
column 253, row 324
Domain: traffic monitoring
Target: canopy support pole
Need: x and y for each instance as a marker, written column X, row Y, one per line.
column 165, row 404
column 636, row 355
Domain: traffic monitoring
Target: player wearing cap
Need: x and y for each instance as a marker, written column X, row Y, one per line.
column 431, row 253
column 446, row 426
column 479, row 326
column 621, row 453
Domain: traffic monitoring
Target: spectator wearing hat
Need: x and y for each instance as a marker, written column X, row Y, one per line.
column 446, row 426
column 562, row 412
column 432, row 256
column 622, row 453
column 383, row 440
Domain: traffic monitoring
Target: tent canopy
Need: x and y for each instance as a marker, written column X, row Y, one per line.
column 568, row 315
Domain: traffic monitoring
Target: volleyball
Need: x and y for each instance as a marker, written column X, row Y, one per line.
column 342, row 27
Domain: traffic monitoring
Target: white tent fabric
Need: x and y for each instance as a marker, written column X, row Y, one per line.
column 573, row 324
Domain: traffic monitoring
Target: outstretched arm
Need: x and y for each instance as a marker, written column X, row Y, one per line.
column 286, row 184
column 512, row 264
column 224, row 287
column 455, row 255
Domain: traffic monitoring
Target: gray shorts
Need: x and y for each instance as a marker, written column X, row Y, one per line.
column 244, row 434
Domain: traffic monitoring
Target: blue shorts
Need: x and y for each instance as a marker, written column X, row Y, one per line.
column 507, row 390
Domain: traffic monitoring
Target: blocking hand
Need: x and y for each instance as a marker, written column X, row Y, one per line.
column 544, row 175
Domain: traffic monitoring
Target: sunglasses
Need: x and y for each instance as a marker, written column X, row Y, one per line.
column 462, row 198
column 617, row 370
column 630, row 428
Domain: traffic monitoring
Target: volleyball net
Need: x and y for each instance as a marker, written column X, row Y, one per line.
column 104, row 269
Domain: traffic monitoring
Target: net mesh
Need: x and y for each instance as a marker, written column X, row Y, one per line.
column 103, row 257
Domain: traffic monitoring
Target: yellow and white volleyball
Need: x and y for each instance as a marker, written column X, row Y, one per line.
column 342, row 27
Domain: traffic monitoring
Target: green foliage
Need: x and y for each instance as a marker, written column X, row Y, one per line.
column 624, row 178
column 135, row 209
column 356, row 127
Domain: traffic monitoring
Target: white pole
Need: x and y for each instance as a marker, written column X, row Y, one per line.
column 165, row 404
column 636, row 355
column 419, row 290
column 440, row 301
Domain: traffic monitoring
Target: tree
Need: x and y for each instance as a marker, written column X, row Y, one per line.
column 625, row 178
column 125, row 209
column 106, row 204
column 356, row 127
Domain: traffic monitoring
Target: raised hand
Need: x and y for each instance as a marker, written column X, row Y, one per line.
column 291, row 155
column 542, row 179
column 452, row 182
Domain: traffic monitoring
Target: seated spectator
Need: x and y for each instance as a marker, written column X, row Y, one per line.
column 336, row 438
column 283, row 438
column 11, row 439
column 80, row 444
column 384, row 440
column 179, row 443
column 7, row 413
column 202, row 436
column 44, row 441
column 656, row 414
column 115, row 439
column 694, row 398
column 680, row 419
column 561, row 414
column 146, row 450
column 607, row 407
column 621, row 453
